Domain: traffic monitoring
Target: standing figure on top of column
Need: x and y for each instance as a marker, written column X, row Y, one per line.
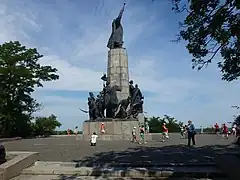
column 116, row 38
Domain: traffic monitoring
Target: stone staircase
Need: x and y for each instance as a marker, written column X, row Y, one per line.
column 42, row 170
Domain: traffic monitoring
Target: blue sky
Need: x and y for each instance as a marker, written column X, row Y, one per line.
column 73, row 35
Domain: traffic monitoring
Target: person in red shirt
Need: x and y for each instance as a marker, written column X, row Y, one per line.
column 216, row 126
column 165, row 132
column 102, row 128
column 225, row 131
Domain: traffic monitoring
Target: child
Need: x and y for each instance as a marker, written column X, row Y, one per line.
column 102, row 128
column 225, row 131
column 142, row 131
column 182, row 131
column 94, row 137
column 165, row 132
column 134, row 135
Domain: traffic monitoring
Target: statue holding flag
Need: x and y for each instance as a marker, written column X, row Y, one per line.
column 116, row 38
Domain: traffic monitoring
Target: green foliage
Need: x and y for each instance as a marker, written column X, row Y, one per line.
column 20, row 73
column 208, row 130
column 212, row 27
column 60, row 132
column 65, row 132
column 45, row 126
column 155, row 124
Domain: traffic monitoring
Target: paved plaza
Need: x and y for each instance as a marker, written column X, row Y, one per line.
column 115, row 152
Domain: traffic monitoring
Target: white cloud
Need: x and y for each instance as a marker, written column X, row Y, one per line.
column 72, row 77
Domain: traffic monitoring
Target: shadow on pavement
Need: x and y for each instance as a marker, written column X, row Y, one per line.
column 175, row 156
column 148, row 156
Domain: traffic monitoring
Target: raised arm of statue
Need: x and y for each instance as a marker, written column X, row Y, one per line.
column 121, row 12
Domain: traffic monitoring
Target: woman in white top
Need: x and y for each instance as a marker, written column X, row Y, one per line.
column 76, row 133
column 234, row 129
column 94, row 137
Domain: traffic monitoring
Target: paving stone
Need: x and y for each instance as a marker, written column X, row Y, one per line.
column 38, row 170
column 126, row 172
column 124, row 153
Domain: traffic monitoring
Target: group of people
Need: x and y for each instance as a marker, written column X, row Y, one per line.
column 190, row 133
column 141, row 135
column 143, row 131
column 224, row 130
column 187, row 131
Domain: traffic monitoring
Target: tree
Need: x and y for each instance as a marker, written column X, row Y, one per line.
column 212, row 27
column 180, row 124
column 20, row 73
column 155, row 124
column 45, row 126
column 208, row 130
column 172, row 123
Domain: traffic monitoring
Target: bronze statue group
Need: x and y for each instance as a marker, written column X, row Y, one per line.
column 107, row 100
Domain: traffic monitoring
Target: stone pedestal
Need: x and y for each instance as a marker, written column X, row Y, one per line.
column 117, row 71
column 141, row 119
column 115, row 129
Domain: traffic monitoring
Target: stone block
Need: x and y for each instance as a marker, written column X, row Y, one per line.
column 15, row 166
column 38, row 171
column 115, row 128
column 2, row 175
column 116, row 62
column 124, row 70
column 118, row 71
column 141, row 118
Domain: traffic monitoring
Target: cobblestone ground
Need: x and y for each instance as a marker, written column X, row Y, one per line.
column 173, row 151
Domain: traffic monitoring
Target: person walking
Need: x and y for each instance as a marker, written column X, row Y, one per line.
column 165, row 133
column 76, row 132
column 142, row 138
column 191, row 133
column 217, row 130
column 225, row 131
column 134, row 135
column 234, row 130
column 182, row 131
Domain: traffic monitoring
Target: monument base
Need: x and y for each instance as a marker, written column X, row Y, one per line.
column 115, row 129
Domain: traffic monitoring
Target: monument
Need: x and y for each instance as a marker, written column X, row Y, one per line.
column 118, row 106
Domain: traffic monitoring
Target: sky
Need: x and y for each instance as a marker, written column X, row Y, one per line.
column 72, row 36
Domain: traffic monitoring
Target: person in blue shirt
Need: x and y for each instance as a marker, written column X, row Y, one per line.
column 191, row 133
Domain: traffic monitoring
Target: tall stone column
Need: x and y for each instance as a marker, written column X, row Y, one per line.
column 117, row 71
